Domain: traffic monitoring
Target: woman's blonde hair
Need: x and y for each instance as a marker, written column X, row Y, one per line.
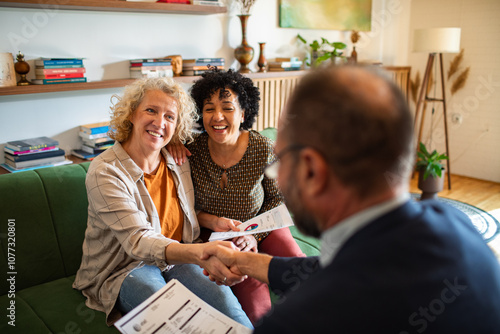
column 126, row 105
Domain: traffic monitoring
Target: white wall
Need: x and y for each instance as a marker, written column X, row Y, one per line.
column 475, row 142
column 108, row 40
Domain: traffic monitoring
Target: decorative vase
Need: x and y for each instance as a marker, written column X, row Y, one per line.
column 262, row 62
column 244, row 52
column 430, row 186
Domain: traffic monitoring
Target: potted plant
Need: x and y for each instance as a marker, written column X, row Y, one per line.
column 317, row 48
column 430, row 172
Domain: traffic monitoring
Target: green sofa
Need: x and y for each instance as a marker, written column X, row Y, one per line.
column 43, row 219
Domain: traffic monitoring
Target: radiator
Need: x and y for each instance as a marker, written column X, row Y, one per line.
column 275, row 91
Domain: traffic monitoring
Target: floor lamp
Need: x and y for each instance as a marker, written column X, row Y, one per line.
column 435, row 41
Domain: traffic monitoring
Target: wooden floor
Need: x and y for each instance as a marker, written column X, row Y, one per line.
column 482, row 194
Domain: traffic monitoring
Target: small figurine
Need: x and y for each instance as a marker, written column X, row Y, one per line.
column 22, row 68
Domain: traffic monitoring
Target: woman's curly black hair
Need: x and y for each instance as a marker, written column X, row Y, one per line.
column 211, row 81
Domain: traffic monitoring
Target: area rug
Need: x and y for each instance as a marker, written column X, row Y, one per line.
column 487, row 225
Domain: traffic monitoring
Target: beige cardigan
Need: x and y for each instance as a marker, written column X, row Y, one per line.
column 123, row 228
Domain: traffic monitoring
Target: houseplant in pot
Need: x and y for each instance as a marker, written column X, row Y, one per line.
column 430, row 172
column 324, row 51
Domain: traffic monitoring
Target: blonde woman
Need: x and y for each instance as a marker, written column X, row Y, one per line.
column 142, row 229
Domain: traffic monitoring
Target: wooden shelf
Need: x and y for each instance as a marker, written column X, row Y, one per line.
column 57, row 88
column 116, row 6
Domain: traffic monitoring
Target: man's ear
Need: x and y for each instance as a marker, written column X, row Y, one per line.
column 314, row 173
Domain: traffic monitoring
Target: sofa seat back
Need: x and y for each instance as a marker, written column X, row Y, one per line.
column 43, row 216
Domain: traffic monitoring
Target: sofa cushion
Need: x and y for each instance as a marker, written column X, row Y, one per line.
column 38, row 310
column 23, row 204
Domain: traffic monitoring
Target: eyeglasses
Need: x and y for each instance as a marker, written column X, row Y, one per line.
column 271, row 170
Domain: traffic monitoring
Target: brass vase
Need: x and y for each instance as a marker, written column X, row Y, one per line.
column 244, row 52
column 262, row 62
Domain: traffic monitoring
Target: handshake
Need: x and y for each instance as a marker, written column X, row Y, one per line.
column 225, row 264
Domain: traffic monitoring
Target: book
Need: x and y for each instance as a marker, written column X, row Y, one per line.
column 93, row 128
column 151, row 74
column 95, row 150
column 15, row 170
column 36, row 162
column 57, row 81
column 93, row 136
column 192, row 73
column 58, row 61
column 34, row 156
column 151, row 68
column 200, row 67
column 59, row 66
column 59, row 76
column 13, row 152
column 45, row 71
column 84, row 155
column 203, row 61
column 284, row 64
column 279, row 69
column 98, row 142
column 31, row 144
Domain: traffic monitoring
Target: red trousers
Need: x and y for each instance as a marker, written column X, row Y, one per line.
column 254, row 295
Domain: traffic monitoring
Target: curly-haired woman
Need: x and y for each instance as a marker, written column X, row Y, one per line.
column 227, row 161
column 142, row 229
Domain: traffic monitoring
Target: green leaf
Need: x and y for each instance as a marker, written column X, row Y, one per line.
column 301, row 39
column 338, row 45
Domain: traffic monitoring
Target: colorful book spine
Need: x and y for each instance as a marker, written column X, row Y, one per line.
column 159, row 63
column 46, row 71
column 58, row 61
column 92, row 130
column 58, row 81
column 60, row 76
column 36, row 162
column 31, row 144
column 59, row 66
column 13, row 152
column 203, row 61
column 35, row 156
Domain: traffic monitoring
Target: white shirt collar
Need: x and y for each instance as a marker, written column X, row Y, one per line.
column 333, row 238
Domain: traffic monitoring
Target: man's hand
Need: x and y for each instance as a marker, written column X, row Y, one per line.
column 178, row 151
column 218, row 270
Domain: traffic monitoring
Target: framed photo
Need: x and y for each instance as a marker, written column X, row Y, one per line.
column 326, row 14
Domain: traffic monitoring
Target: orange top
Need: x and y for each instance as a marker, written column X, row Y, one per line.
column 163, row 192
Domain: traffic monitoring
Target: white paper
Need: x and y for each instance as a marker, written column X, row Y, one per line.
column 175, row 309
column 273, row 219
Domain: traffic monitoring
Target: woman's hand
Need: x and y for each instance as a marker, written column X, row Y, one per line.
column 179, row 152
column 223, row 224
column 246, row 243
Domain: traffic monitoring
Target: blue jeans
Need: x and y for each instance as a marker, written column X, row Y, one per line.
column 141, row 283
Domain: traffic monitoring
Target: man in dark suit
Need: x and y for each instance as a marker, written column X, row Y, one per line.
column 388, row 264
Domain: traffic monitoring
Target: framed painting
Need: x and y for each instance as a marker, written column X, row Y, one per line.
column 326, row 14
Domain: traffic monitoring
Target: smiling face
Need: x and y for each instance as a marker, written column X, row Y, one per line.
column 154, row 122
column 222, row 117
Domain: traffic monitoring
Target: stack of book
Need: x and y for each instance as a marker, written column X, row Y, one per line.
column 198, row 66
column 95, row 140
column 284, row 64
column 33, row 153
column 151, row 68
column 59, row 70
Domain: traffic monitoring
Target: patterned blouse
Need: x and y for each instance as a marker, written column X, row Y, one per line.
column 248, row 192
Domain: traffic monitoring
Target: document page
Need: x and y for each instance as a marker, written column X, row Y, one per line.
column 273, row 219
column 175, row 309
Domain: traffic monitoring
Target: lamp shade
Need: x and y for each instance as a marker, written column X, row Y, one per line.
column 437, row 40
